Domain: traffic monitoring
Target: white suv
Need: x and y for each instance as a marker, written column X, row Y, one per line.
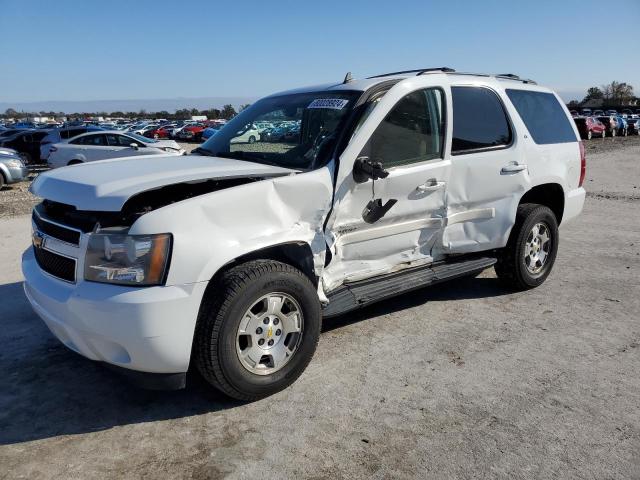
column 228, row 259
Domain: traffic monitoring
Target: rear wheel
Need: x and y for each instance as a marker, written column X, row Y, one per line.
column 531, row 251
column 257, row 329
column 252, row 139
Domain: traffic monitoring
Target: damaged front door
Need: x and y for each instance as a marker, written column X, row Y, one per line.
column 390, row 210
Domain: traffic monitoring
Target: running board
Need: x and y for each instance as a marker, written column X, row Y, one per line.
column 364, row 292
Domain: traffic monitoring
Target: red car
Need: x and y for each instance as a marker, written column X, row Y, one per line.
column 160, row 132
column 192, row 132
column 610, row 124
column 590, row 127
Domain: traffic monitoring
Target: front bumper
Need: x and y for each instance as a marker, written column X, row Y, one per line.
column 142, row 329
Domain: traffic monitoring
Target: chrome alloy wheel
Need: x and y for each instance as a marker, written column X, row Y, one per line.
column 537, row 248
column 269, row 333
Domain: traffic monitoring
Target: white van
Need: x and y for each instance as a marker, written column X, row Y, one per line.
column 228, row 259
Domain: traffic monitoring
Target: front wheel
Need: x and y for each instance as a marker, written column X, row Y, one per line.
column 531, row 251
column 257, row 329
column 252, row 139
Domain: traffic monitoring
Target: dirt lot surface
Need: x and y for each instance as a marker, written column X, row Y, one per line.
column 461, row 380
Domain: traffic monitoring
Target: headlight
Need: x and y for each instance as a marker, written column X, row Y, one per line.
column 127, row 259
column 14, row 163
column 170, row 150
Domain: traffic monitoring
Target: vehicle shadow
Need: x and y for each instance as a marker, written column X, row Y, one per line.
column 47, row 390
column 460, row 289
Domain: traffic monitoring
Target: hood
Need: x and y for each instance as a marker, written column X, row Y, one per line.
column 106, row 185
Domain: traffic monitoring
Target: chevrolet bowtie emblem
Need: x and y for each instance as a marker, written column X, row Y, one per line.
column 270, row 332
column 38, row 239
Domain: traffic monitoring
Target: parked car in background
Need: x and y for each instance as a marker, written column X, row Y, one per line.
column 610, row 123
column 590, row 127
column 621, row 126
column 192, row 132
column 586, row 112
column 163, row 131
column 248, row 134
column 633, row 125
column 104, row 145
column 60, row 134
column 611, row 112
column 10, row 132
column 598, row 113
column 275, row 134
column 143, row 130
column 209, row 131
column 574, row 113
column 26, row 142
column 12, row 168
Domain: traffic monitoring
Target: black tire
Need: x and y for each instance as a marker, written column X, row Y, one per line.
column 225, row 302
column 2, row 180
column 252, row 139
column 26, row 158
column 511, row 268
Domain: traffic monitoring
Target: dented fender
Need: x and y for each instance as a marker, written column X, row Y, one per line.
column 211, row 230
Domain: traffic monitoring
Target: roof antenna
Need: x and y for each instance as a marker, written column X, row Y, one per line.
column 347, row 78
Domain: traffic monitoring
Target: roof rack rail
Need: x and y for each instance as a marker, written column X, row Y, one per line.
column 418, row 71
column 513, row 76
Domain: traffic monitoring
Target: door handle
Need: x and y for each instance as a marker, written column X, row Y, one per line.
column 513, row 168
column 430, row 186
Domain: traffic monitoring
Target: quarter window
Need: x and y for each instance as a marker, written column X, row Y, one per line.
column 412, row 132
column 545, row 119
column 479, row 120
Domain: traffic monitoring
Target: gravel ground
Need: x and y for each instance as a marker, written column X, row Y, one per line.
column 462, row 380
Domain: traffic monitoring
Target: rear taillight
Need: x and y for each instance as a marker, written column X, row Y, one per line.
column 583, row 164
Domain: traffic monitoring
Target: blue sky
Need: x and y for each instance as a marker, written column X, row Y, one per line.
column 144, row 49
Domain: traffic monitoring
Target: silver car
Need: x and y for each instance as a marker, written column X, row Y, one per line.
column 12, row 169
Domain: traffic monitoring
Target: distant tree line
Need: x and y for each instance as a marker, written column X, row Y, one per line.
column 614, row 94
column 227, row 112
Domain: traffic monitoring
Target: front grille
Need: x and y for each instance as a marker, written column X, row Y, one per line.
column 56, row 231
column 56, row 265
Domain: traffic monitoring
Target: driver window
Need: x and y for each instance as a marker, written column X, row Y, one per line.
column 412, row 132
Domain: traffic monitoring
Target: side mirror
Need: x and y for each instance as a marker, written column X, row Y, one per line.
column 364, row 169
column 134, row 146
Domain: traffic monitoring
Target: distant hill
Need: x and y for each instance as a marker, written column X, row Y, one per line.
column 150, row 105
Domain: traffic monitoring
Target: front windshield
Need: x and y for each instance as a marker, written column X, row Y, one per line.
column 292, row 131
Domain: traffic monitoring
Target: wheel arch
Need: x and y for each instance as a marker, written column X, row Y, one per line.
column 548, row 194
column 297, row 254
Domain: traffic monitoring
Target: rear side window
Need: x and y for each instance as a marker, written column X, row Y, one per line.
column 479, row 120
column 544, row 117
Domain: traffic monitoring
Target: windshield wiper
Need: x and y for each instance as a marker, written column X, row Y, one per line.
column 203, row 151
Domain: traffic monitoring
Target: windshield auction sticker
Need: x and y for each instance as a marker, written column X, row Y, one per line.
column 333, row 103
